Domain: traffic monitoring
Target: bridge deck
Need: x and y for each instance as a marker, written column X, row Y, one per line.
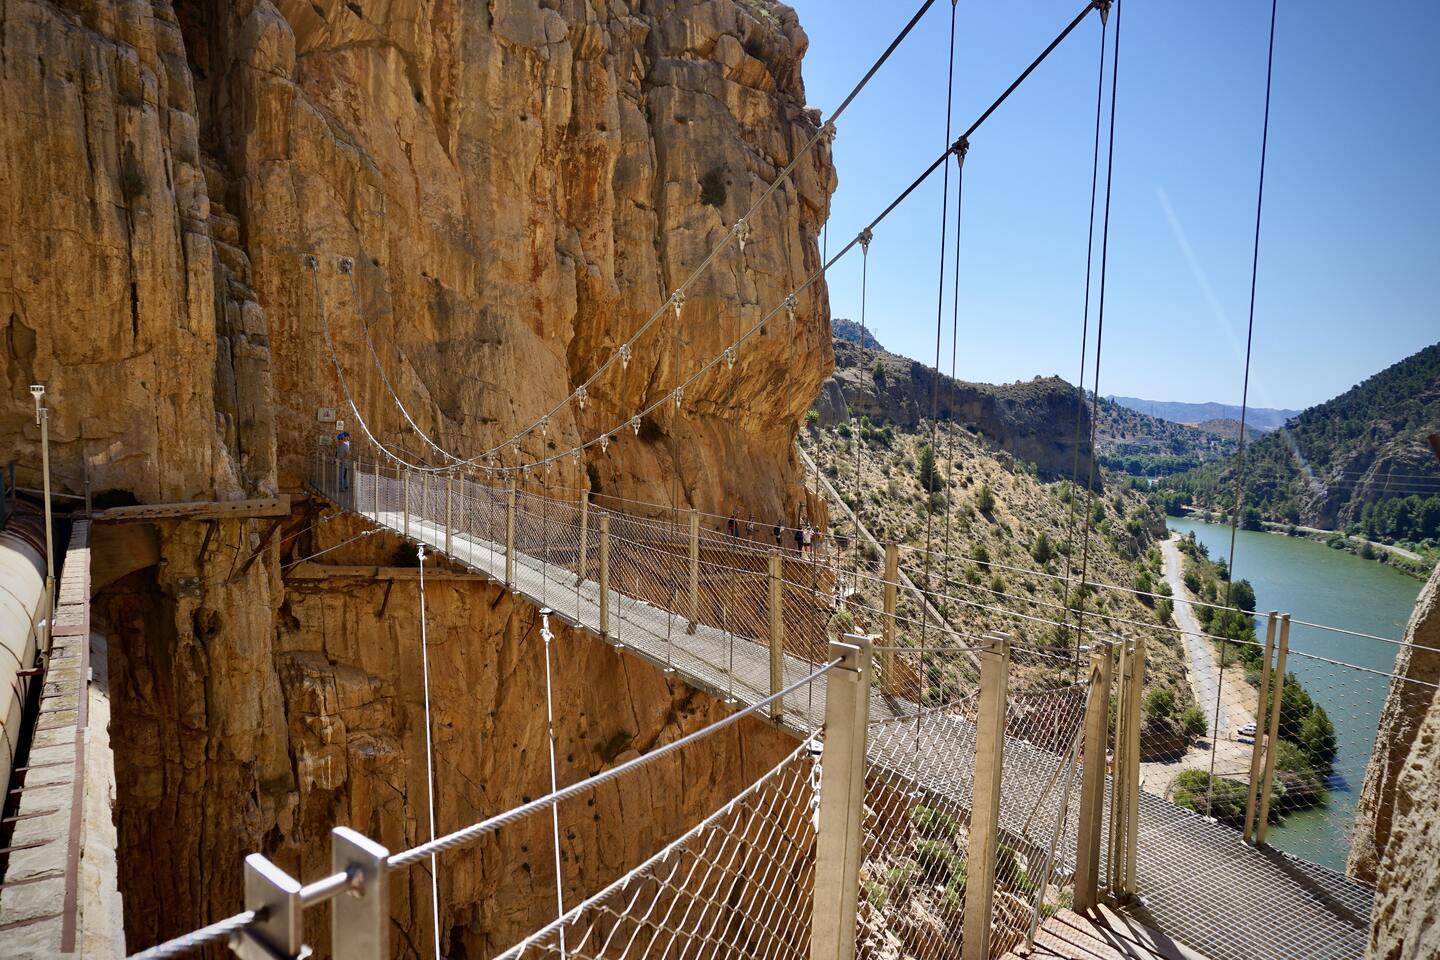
column 1198, row 882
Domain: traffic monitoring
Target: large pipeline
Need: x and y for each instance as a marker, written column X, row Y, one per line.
column 22, row 594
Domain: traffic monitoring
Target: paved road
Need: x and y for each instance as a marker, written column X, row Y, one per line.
column 1200, row 655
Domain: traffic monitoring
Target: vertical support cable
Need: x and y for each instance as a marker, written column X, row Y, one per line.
column 777, row 634
column 429, row 756
column 694, row 571
column 547, row 636
column 1245, row 388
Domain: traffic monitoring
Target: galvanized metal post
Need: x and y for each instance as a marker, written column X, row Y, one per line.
column 275, row 897
column 777, row 634
column 842, row 801
column 510, row 536
column 1257, row 749
column 405, row 499
column 1273, row 736
column 584, row 538
column 1091, row 831
column 449, row 514
column 605, row 575
column 888, row 680
column 984, row 845
column 694, row 571
column 360, row 916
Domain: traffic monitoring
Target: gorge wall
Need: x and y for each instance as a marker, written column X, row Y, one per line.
column 518, row 184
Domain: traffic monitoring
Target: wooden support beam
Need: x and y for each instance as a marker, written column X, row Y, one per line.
column 1092, row 783
column 198, row 510
column 887, row 623
column 984, row 843
column 1272, row 738
column 1257, row 749
column 340, row 571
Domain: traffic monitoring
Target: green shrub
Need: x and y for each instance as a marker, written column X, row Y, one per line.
column 938, row 861
column 933, row 823
column 875, row 893
column 1193, row 722
column 984, row 499
column 712, row 188
column 1043, row 550
column 1223, row 799
column 1160, row 702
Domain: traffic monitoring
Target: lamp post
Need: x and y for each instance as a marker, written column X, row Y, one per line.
column 42, row 418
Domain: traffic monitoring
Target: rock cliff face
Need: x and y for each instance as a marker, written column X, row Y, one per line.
column 1398, row 819
column 1383, row 798
column 1034, row 421
column 518, row 185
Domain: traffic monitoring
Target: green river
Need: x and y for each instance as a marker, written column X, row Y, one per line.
column 1312, row 582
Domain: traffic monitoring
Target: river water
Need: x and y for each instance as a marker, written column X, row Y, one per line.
column 1312, row 582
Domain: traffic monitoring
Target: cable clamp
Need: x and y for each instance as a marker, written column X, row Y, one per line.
column 345, row 264
column 311, row 261
column 1104, row 7
column 827, row 132
column 960, row 148
column 865, row 237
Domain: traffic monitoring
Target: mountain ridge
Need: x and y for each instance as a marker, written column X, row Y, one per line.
column 1176, row 411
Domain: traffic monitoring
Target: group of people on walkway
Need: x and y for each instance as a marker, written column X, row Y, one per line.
column 805, row 536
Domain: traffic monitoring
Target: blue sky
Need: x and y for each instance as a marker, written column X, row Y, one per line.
column 1350, row 248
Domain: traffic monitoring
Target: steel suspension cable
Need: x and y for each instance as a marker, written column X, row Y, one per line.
column 1100, row 316
column 1084, row 340
column 1245, row 383
column 429, row 755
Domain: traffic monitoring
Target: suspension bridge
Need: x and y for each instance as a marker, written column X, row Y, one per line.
column 913, row 818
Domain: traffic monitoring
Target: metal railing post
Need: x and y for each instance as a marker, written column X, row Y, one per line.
column 360, row 917
column 449, row 514
column 605, row 576
column 424, row 502
column 1092, row 783
column 510, row 536
column 777, row 634
column 275, row 897
column 888, row 679
column 584, row 557
column 984, row 844
column 694, row 571
column 1274, row 732
column 1257, row 749
column 842, row 801
column 404, row 498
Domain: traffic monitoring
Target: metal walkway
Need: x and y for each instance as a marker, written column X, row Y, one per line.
column 1198, row 882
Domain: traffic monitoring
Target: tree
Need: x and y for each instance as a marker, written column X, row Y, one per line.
column 1192, row 721
column 984, row 499
column 1043, row 550
column 1242, row 595
column 926, row 470
column 1317, row 739
column 1250, row 519
column 1160, row 703
column 877, row 373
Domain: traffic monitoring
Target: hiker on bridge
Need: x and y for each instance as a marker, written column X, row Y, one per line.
column 342, row 457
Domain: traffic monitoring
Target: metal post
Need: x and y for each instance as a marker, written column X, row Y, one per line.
column 360, row 917
column 777, row 634
column 510, row 536
column 424, row 502
column 405, row 498
column 1132, row 772
column 842, row 801
column 43, row 415
column 275, row 897
column 887, row 623
column 1092, row 783
column 1273, row 737
column 449, row 514
column 984, row 846
column 1257, row 749
column 694, row 571
column 584, row 538
column 605, row 575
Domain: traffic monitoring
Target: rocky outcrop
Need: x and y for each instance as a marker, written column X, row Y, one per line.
column 1034, row 421
column 517, row 185
column 1411, row 701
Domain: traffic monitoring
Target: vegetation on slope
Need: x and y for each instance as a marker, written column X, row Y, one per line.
column 1144, row 446
column 1359, row 462
column 1003, row 541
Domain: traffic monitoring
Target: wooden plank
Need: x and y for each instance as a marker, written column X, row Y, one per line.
column 198, row 510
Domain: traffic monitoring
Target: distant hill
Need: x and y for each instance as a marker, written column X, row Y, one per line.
column 1033, row 420
column 1144, row 446
column 1361, row 458
column 1261, row 418
column 1230, row 429
column 849, row 331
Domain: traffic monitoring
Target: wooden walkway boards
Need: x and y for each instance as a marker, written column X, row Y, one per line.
column 1101, row 934
column 1197, row 880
